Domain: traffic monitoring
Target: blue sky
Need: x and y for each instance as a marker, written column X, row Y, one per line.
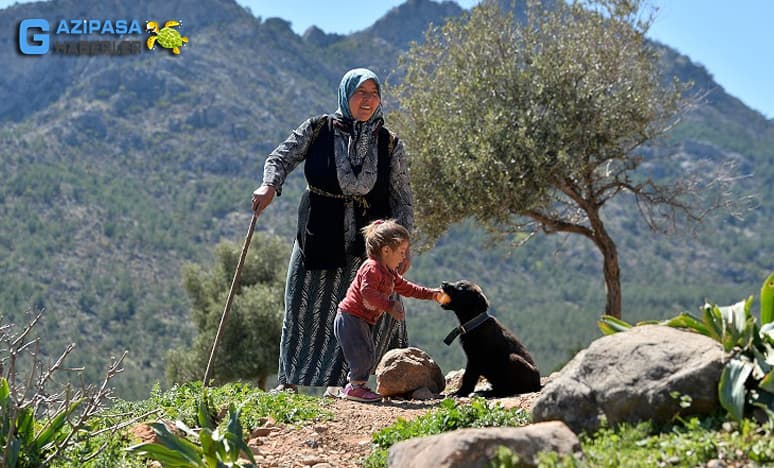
column 734, row 41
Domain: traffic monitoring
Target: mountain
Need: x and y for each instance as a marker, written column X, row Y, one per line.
column 409, row 21
column 117, row 170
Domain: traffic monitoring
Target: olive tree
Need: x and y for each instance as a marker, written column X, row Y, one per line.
column 249, row 347
column 535, row 124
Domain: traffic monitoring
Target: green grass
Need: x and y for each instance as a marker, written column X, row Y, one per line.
column 691, row 442
column 180, row 403
column 686, row 442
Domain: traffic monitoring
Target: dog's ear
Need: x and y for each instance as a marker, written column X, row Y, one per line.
column 482, row 297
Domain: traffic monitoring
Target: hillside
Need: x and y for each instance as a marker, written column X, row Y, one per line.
column 118, row 170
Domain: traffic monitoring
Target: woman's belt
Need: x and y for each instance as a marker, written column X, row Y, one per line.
column 359, row 199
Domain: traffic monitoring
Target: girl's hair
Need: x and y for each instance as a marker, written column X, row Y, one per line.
column 381, row 233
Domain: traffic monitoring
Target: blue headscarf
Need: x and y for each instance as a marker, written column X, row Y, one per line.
column 349, row 83
column 361, row 134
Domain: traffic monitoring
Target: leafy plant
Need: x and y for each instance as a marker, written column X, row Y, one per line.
column 39, row 425
column 767, row 300
column 748, row 375
column 26, row 444
column 209, row 447
column 183, row 403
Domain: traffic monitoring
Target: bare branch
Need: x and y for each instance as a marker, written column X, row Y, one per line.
column 112, row 430
column 55, row 366
column 93, row 404
column 690, row 199
column 15, row 343
column 551, row 225
column 124, row 424
column 77, row 405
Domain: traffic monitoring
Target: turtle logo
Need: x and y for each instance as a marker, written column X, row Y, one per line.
column 167, row 37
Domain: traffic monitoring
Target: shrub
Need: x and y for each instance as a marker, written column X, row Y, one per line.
column 40, row 420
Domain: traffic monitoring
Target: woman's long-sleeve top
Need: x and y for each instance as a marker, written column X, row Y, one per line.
column 290, row 153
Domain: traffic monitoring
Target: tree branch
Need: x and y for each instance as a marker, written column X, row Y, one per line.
column 33, row 395
column 551, row 225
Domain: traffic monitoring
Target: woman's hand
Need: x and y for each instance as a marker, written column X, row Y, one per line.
column 262, row 197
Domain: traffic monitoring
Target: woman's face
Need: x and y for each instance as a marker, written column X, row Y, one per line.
column 364, row 101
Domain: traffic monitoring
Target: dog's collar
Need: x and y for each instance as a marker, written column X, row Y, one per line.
column 466, row 327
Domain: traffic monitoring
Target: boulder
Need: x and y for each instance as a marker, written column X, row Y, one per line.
column 472, row 448
column 404, row 370
column 453, row 381
column 631, row 376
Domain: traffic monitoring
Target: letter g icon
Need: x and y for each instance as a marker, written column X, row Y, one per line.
column 39, row 43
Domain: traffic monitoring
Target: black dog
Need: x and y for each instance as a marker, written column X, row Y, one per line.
column 491, row 350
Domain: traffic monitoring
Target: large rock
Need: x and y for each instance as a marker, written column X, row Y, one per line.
column 404, row 370
column 472, row 448
column 630, row 376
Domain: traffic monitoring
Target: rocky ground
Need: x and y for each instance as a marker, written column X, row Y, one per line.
column 346, row 440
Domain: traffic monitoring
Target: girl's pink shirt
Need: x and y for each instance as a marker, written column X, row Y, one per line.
column 368, row 297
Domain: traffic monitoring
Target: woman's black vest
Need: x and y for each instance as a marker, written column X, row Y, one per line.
column 321, row 216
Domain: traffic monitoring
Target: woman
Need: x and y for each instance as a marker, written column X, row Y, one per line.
column 356, row 172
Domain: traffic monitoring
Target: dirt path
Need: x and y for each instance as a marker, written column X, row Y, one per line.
column 346, row 440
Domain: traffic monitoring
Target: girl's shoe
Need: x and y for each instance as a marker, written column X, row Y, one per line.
column 333, row 392
column 360, row 393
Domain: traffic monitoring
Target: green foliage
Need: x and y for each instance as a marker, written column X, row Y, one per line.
column 610, row 325
column 249, row 346
column 504, row 458
column 747, row 379
column 104, row 257
column 211, row 447
column 536, row 125
column 533, row 110
column 25, row 442
column 449, row 416
column 181, row 402
column 688, row 443
column 42, row 418
column 691, row 442
column 185, row 404
column 767, row 300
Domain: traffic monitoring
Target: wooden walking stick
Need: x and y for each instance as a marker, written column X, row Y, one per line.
column 230, row 299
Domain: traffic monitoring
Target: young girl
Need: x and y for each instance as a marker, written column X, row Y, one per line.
column 368, row 297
